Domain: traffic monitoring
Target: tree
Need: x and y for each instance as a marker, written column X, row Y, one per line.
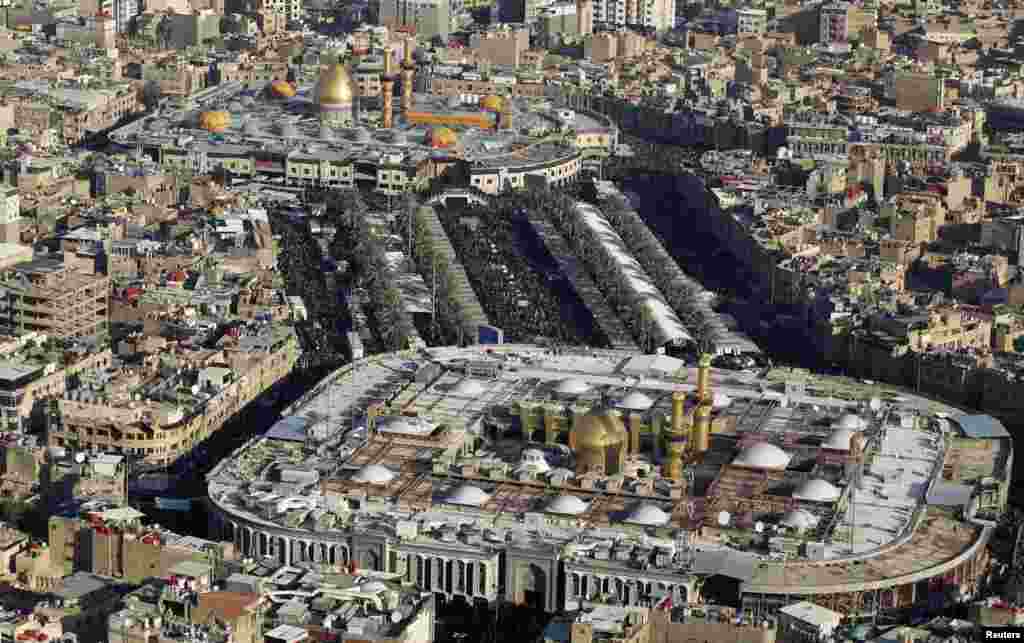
column 151, row 94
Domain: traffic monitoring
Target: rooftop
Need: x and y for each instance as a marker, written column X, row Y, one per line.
column 291, row 127
column 434, row 485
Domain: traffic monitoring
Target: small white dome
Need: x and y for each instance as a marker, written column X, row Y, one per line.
column 534, row 460
column 635, row 401
column 840, row 439
column 568, row 505
column 720, row 400
column 816, row 490
column 763, row 456
column 572, row 386
column 468, row 495
column 851, row 422
column 404, row 425
column 468, row 388
column 647, row 515
column 374, row 474
column 799, row 519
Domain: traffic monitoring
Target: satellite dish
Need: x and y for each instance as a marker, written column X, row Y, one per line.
column 876, row 404
column 79, row 457
column 396, row 617
column 759, row 527
column 723, row 518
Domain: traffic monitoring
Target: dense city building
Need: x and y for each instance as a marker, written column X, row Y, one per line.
column 478, row 320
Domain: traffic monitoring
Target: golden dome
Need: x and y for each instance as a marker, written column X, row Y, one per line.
column 442, row 137
column 335, row 86
column 282, row 89
column 598, row 431
column 215, row 122
column 492, row 103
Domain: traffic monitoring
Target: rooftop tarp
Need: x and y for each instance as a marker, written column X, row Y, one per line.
column 290, row 429
column 643, row 365
column 122, row 514
column 727, row 563
column 982, row 426
column 949, row 494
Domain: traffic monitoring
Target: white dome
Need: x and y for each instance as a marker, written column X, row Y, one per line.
column 817, row 490
column 635, row 401
column 569, row 505
column 840, row 439
column 720, row 400
column 374, row 474
column 763, row 456
column 468, row 388
column 799, row 519
column 405, row 425
column 572, row 386
column 851, row 422
column 647, row 515
column 534, row 460
column 468, row 495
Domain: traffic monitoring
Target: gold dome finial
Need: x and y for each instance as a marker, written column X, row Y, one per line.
column 334, row 86
column 598, row 431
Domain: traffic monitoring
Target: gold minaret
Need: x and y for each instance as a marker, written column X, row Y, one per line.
column 702, row 420
column 676, row 446
column 408, row 68
column 504, row 119
column 388, row 91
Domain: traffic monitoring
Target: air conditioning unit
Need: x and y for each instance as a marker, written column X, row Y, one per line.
column 815, row 551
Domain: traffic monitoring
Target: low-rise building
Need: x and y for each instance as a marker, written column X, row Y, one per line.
column 618, row 624
column 105, row 414
column 54, row 298
column 37, row 368
column 805, row 622
column 504, row 46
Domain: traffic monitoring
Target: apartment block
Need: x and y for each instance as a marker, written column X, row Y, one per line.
column 427, row 18
column 839, row 22
column 10, row 220
column 751, row 20
column 602, row 47
column 141, row 423
column 659, row 15
column 919, row 91
column 50, row 297
column 522, row 11
column 567, row 21
column 503, row 46
column 915, row 217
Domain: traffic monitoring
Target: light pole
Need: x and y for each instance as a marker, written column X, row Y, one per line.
column 126, row 624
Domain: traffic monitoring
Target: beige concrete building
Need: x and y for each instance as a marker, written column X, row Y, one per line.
column 614, row 624
column 1006, row 333
column 602, row 47
column 160, row 432
column 805, row 622
column 919, row 91
column 503, row 46
column 915, row 217
column 945, row 328
column 50, row 297
column 658, row 15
